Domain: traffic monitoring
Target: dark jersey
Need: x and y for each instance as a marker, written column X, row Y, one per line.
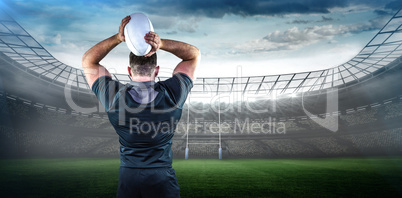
column 145, row 116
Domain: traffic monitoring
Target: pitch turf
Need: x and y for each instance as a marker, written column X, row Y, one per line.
column 363, row 177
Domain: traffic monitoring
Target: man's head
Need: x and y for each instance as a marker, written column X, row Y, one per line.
column 141, row 66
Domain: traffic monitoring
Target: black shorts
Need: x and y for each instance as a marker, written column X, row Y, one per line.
column 147, row 182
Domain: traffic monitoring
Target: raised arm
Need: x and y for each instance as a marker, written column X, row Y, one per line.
column 189, row 54
column 91, row 59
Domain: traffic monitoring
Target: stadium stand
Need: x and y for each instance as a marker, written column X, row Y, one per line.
column 246, row 148
column 81, row 135
column 393, row 110
column 290, row 148
column 203, row 149
column 360, row 117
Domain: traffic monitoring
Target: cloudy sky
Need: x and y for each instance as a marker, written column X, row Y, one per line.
column 256, row 37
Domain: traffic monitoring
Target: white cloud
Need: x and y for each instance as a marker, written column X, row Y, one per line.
column 56, row 39
column 295, row 38
column 291, row 39
column 189, row 25
column 162, row 22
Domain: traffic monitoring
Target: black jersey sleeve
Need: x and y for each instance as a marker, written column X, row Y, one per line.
column 105, row 89
column 178, row 87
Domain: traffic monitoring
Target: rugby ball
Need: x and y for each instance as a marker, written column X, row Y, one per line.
column 134, row 33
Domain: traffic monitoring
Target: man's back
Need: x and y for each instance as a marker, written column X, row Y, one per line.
column 144, row 115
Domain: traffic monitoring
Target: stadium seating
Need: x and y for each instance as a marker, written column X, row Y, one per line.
column 360, row 117
column 393, row 110
column 303, row 137
column 289, row 148
column 246, row 148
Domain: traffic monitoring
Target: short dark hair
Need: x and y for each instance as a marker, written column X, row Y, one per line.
column 141, row 65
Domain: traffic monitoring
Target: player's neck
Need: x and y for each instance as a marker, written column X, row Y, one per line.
column 142, row 78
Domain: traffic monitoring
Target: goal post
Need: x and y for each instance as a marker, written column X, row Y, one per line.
column 187, row 150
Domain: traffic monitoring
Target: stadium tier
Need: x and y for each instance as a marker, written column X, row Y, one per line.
column 30, row 129
column 47, row 109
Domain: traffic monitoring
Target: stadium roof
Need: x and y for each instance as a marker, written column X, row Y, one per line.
column 384, row 48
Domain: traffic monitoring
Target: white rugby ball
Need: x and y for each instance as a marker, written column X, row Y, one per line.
column 134, row 33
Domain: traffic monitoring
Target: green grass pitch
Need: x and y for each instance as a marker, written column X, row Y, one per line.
column 93, row 177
